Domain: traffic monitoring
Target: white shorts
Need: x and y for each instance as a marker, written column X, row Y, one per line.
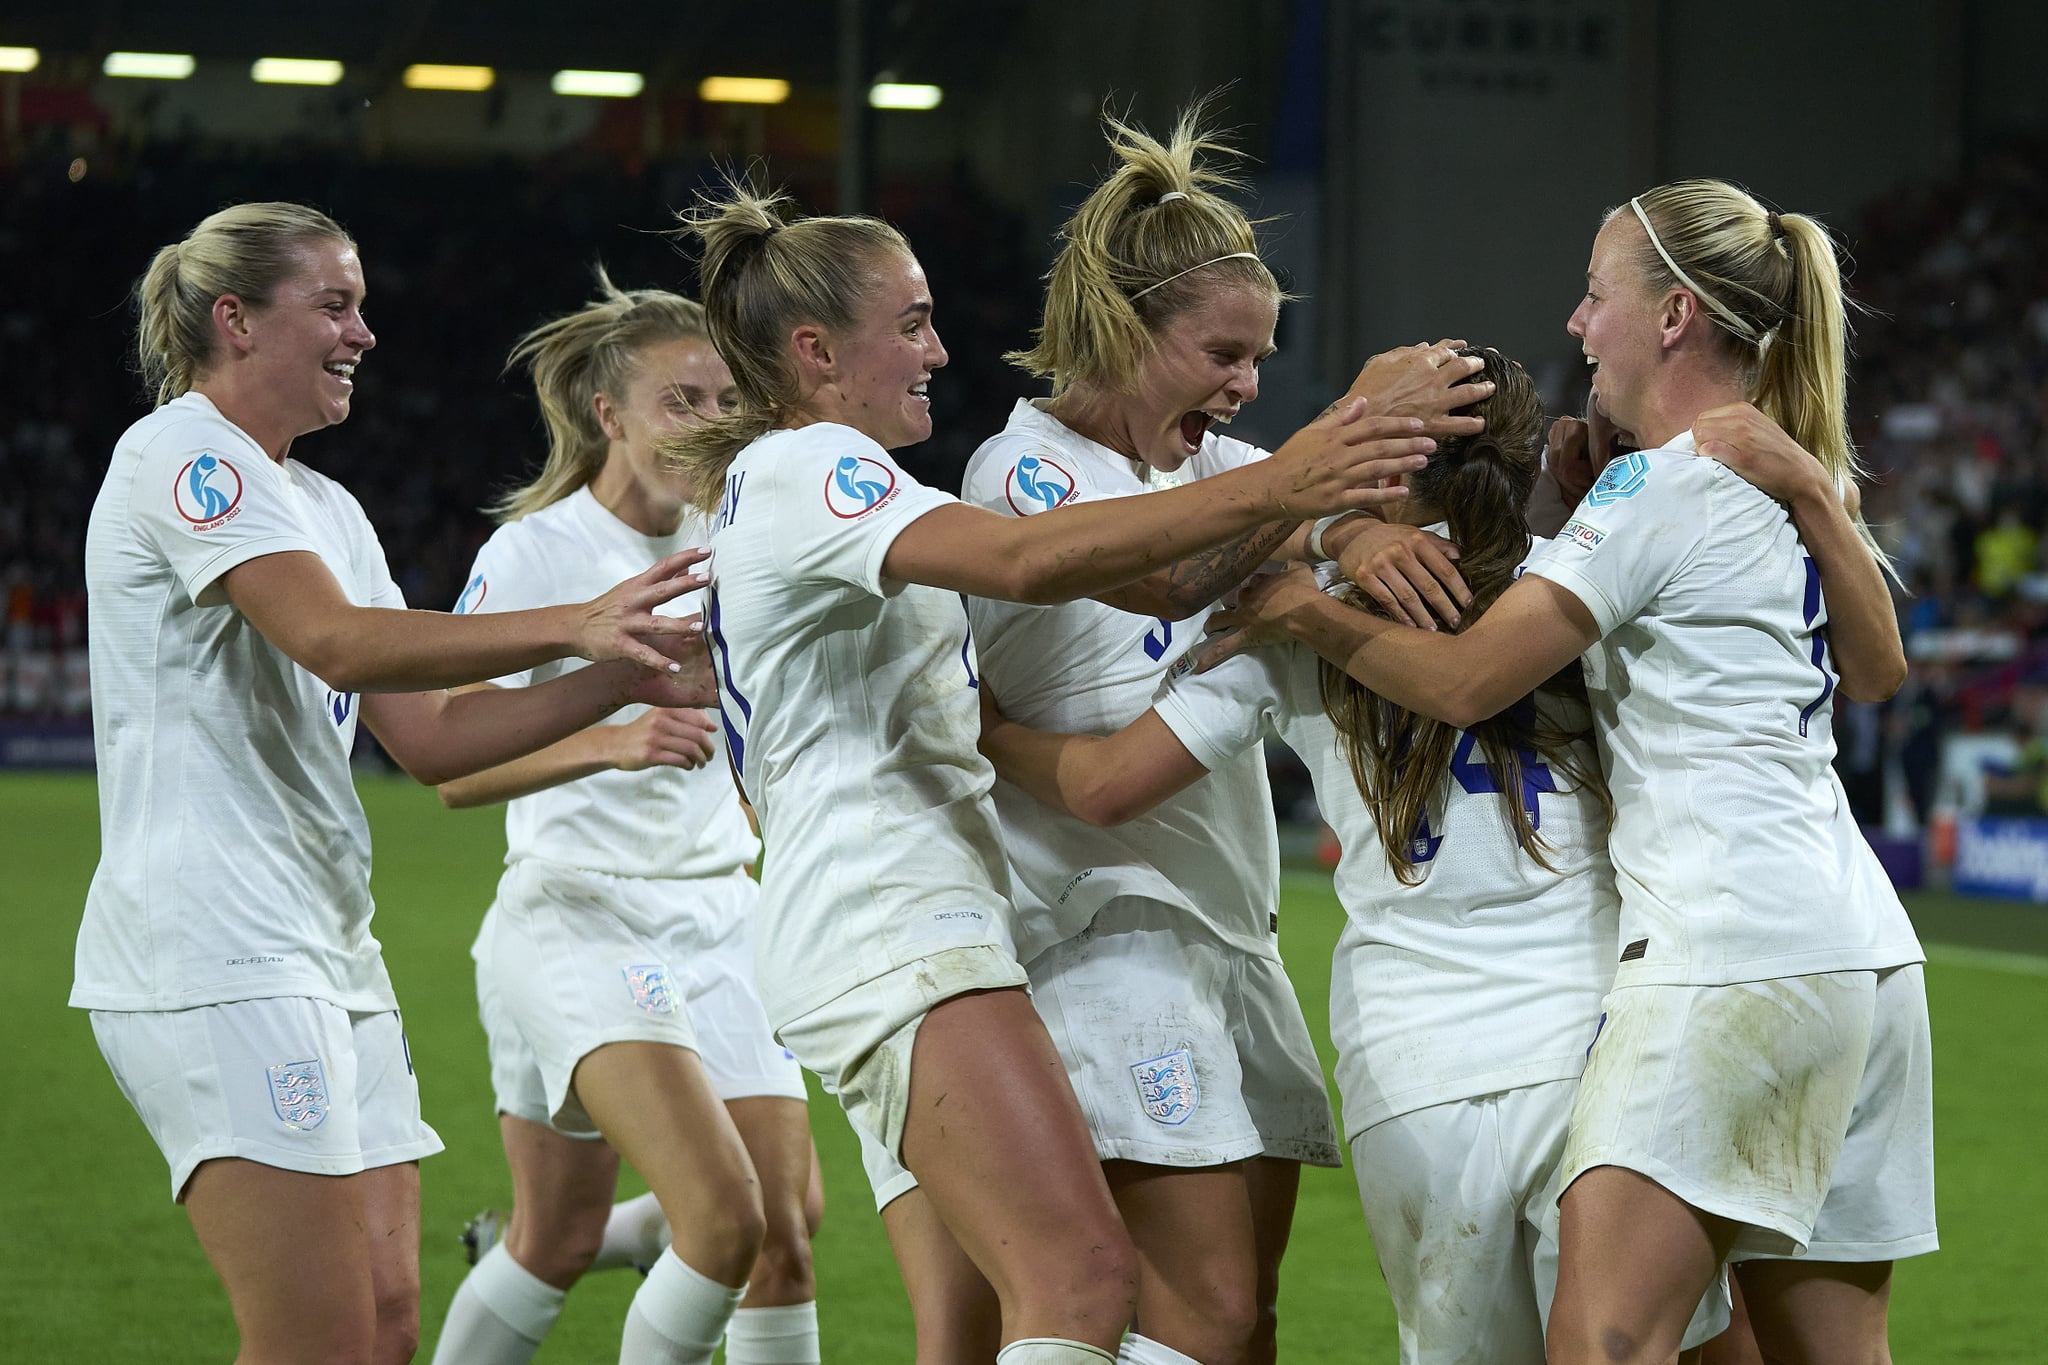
column 1734, row 1098
column 1880, row 1203
column 569, row 960
column 1458, row 1198
column 1183, row 1051
column 290, row 1082
column 859, row 1043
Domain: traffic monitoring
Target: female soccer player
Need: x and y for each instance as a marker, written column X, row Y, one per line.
column 1761, row 1086
column 242, row 619
column 615, row 969
column 1153, row 947
column 847, row 677
column 1480, row 904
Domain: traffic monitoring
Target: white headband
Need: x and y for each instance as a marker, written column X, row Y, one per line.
column 1728, row 318
column 1233, row 256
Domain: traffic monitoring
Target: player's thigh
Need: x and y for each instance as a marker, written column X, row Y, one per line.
column 291, row 1251
column 1819, row 1313
column 1193, row 1230
column 562, row 1191
column 957, row 1315
column 655, row 1105
column 1634, row 1262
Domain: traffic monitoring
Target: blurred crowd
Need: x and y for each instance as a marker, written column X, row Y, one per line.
column 1950, row 395
column 459, row 262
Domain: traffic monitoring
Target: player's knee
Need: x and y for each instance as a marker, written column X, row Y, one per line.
column 782, row 1271
column 398, row 1324
column 559, row 1255
column 733, row 1226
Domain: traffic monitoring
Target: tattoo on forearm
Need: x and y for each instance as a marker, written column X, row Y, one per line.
column 1201, row 578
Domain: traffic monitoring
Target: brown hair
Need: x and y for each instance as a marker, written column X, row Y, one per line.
column 763, row 275
column 1481, row 485
column 1144, row 246
column 577, row 356
column 246, row 250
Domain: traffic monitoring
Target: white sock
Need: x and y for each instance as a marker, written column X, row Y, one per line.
column 773, row 1336
column 1139, row 1350
column 1051, row 1351
column 677, row 1317
column 500, row 1316
column 635, row 1234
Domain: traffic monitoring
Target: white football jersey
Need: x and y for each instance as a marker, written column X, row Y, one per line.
column 1084, row 668
column 850, row 710
column 660, row 822
column 1734, row 847
column 234, row 856
column 1484, row 975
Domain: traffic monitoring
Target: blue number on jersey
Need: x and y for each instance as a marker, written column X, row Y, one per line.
column 735, row 742
column 1156, row 641
column 967, row 648
column 1820, row 645
column 1477, row 778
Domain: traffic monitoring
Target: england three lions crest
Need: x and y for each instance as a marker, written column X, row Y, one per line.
column 1167, row 1088
column 650, row 986
column 298, row 1092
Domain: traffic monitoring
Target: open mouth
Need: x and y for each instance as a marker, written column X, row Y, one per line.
column 921, row 391
column 1195, row 425
column 344, row 370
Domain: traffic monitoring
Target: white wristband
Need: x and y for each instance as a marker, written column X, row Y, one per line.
column 1315, row 535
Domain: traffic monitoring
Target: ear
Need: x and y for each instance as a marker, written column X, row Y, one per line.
column 607, row 417
column 1681, row 314
column 815, row 354
column 231, row 323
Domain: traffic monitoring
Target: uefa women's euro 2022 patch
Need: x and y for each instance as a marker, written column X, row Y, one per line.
column 1623, row 478
column 207, row 492
column 857, row 486
column 1167, row 1088
column 473, row 594
column 298, row 1092
column 1036, row 483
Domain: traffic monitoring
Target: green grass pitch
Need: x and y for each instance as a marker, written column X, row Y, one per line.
column 98, row 1265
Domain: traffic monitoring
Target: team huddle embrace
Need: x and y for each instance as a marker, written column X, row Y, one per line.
column 1632, row 1036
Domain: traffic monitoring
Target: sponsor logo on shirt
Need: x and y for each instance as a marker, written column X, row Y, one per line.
column 1036, row 484
column 1623, row 478
column 207, row 492
column 473, row 594
column 298, row 1092
column 1167, row 1088
column 858, row 485
column 1583, row 534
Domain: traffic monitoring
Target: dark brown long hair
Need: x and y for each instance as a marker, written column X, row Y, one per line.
column 1481, row 485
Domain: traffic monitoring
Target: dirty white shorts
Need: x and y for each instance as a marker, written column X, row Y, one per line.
column 1459, row 1198
column 1735, row 1098
column 1880, row 1202
column 859, row 1043
column 290, row 1082
column 1183, row 1051
column 568, row 960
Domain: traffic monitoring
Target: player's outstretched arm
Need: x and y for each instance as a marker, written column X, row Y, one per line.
column 438, row 736
column 1533, row 630
column 1335, row 463
column 663, row 736
column 1103, row 779
column 1863, row 626
column 293, row 599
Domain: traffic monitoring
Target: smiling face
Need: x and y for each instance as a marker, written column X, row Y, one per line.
column 1619, row 322
column 880, row 366
column 1204, row 366
column 304, row 344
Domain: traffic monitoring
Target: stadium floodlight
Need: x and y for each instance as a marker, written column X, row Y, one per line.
column 742, row 90
column 19, row 58
column 897, row 95
column 434, row 76
column 150, row 66
column 616, row 85
column 295, row 71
